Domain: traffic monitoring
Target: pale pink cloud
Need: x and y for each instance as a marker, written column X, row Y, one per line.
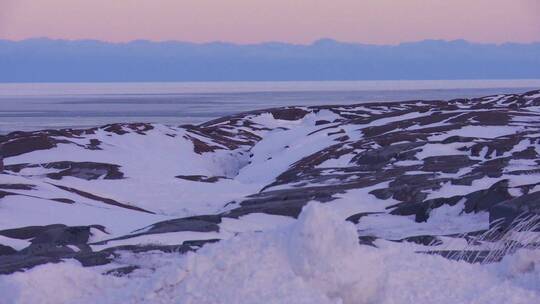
column 249, row 21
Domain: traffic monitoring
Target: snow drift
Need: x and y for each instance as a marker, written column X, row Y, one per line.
column 314, row 260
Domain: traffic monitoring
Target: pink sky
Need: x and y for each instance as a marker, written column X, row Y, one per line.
column 249, row 21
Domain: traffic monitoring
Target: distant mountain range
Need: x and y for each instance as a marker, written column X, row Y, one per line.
column 47, row 60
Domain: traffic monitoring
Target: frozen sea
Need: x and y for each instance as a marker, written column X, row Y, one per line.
column 33, row 106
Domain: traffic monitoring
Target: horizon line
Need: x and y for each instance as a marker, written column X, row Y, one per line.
column 314, row 42
column 275, row 81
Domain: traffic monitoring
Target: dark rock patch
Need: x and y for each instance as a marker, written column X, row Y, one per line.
column 484, row 199
column 426, row 240
column 200, row 146
column 63, row 200
column 101, row 199
column 17, row 186
column 367, row 240
column 355, row 218
column 82, row 170
column 377, row 158
column 201, row 178
column 124, row 128
column 447, row 163
column 504, row 213
column 121, row 271
column 6, row 250
column 57, row 235
column 29, row 232
column 481, row 200
column 16, row 262
column 21, row 143
column 288, row 113
column 321, row 122
column 287, row 202
column 90, row 259
column 85, row 170
column 422, row 209
column 202, row 223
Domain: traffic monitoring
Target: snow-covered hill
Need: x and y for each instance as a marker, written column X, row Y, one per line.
column 416, row 175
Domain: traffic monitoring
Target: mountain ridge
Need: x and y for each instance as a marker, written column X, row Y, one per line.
column 48, row 60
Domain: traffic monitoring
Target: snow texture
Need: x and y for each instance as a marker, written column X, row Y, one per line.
column 314, row 260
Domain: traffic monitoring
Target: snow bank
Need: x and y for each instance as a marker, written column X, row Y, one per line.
column 317, row 259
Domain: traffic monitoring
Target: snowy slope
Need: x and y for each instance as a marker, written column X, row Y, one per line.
column 427, row 172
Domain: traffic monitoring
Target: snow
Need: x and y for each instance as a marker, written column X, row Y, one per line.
column 341, row 162
column 314, row 260
column 386, row 120
column 254, row 222
column 443, row 221
column 150, row 163
column 170, row 238
column 14, row 243
column 118, row 221
column 407, row 163
column 429, row 150
column 479, row 131
column 448, row 189
column 279, row 149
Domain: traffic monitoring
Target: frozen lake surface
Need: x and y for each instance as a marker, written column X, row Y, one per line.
column 33, row 106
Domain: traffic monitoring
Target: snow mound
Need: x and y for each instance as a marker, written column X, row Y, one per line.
column 300, row 264
column 330, row 260
column 317, row 259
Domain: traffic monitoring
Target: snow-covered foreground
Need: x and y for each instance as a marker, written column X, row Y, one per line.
column 317, row 259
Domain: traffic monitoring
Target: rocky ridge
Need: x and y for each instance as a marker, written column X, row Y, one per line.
column 417, row 171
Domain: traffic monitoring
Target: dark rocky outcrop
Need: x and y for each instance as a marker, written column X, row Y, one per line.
column 506, row 213
column 82, row 170
column 201, row 178
column 289, row 113
column 6, row 250
column 202, row 223
column 104, row 200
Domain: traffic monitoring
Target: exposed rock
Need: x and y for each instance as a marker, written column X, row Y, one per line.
column 202, row 223
column 506, row 212
column 101, row 199
column 483, row 200
column 201, row 178
column 121, row 271
column 17, row 186
column 355, row 218
column 447, row 163
column 367, row 240
column 15, row 262
column 426, row 240
column 29, row 232
column 82, row 170
column 21, row 143
column 321, row 122
column 477, row 201
column 6, row 250
column 289, row 113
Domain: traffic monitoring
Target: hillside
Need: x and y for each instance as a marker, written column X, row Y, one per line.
column 399, row 178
